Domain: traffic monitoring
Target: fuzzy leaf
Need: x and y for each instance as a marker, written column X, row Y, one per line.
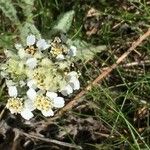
column 28, row 28
column 63, row 23
column 86, row 51
column 9, row 10
column 27, row 7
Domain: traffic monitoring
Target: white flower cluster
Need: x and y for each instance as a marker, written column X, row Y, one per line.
column 38, row 76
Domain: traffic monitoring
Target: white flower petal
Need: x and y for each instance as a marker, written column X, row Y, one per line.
column 60, row 57
column 67, row 90
column 48, row 113
column 31, row 84
column 59, row 102
column 12, row 91
column 75, row 84
column 28, row 104
column 30, row 40
column 26, row 114
column 18, row 46
column 31, row 93
column 72, row 51
column 73, row 73
column 31, row 63
column 9, row 83
column 22, row 54
column 42, row 44
column 51, row 95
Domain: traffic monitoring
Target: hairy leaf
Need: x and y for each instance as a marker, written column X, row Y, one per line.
column 63, row 23
column 86, row 51
column 9, row 10
column 27, row 7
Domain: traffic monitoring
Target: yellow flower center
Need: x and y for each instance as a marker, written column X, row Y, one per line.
column 39, row 77
column 43, row 103
column 57, row 47
column 15, row 105
column 31, row 49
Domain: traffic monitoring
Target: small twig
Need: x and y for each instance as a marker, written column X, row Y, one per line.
column 48, row 140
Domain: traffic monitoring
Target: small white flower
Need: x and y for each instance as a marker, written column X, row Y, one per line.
column 21, row 52
column 30, row 40
column 42, row 44
column 60, row 57
column 46, row 103
column 12, row 91
column 31, row 63
column 18, row 106
column 58, row 102
column 72, row 78
column 73, row 51
column 67, row 90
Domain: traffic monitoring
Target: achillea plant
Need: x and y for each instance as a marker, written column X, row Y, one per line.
column 38, row 76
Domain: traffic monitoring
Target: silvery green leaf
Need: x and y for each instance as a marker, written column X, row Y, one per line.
column 28, row 28
column 63, row 22
column 86, row 51
column 9, row 10
column 27, row 7
column 6, row 40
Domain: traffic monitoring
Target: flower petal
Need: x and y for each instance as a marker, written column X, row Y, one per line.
column 67, row 90
column 42, row 44
column 31, row 93
column 28, row 104
column 18, row 46
column 30, row 40
column 26, row 114
column 22, row 54
column 31, row 63
column 48, row 113
column 31, row 84
column 51, row 95
column 72, row 74
column 75, row 84
column 72, row 51
column 60, row 57
column 59, row 102
column 12, row 91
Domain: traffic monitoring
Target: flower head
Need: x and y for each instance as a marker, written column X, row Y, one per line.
column 73, row 83
column 17, row 105
column 45, row 103
column 32, row 46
